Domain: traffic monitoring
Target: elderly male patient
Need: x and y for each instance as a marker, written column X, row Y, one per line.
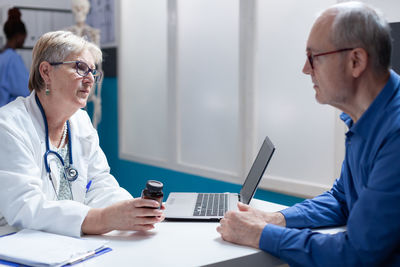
column 348, row 59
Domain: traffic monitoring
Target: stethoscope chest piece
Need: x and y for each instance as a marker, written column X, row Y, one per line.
column 70, row 173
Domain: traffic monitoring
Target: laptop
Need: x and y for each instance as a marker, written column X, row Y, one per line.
column 212, row 206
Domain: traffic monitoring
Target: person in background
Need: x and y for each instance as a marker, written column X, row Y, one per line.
column 348, row 59
column 54, row 176
column 13, row 73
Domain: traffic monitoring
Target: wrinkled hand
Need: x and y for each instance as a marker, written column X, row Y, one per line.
column 245, row 226
column 242, row 227
column 276, row 218
column 135, row 214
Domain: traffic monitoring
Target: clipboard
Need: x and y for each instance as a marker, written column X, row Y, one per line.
column 97, row 253
column 43, row 242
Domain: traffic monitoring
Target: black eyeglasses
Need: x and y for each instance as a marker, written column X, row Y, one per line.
column 311, row 57
column 82, row 69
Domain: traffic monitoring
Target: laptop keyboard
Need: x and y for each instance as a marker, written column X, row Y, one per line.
column 211, row 204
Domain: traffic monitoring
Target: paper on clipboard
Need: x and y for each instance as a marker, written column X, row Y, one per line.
column 36, row 248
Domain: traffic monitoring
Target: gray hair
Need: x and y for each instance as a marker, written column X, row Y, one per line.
column 56, row 47
column 359, row 25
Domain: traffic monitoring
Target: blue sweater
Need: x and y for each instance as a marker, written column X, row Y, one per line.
column 366, row 198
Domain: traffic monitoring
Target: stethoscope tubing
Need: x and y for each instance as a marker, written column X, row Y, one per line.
column 67, row 169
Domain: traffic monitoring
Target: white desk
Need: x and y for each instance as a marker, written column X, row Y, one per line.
column 181, row 244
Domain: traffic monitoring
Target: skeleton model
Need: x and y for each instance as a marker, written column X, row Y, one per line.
column 80, row 8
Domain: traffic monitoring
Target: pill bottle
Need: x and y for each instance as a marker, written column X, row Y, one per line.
column 153, row 191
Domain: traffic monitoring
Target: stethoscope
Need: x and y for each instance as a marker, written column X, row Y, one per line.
column 70, row 173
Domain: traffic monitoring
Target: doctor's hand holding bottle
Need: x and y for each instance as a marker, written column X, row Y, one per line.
column 135, row 214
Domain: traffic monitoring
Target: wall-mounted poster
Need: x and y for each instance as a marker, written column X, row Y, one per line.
column 102, row 16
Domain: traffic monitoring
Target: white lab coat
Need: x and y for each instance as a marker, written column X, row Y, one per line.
column 27, row 197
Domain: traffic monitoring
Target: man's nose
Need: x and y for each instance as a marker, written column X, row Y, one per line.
column 307, row 69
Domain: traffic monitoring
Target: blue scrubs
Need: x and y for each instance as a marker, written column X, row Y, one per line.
column 366, row 198
column 13, row 77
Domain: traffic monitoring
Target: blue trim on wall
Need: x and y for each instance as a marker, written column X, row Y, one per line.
column 133, row 176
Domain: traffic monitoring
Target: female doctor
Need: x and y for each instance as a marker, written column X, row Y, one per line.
column 53, row 174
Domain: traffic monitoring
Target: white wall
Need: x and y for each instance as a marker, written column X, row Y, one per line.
column 142, row 72
column 173, row 114
column 390, row 8
column 303, row 130
column 208, row 67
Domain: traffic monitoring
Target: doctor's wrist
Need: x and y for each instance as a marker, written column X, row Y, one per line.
column 95, row 222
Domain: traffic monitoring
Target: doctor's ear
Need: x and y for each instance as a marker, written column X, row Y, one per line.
column 45, row 70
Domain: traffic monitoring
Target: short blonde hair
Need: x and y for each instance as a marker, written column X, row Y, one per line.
column 56, row 47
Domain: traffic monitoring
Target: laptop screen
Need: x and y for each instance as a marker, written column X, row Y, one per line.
column 256, row 171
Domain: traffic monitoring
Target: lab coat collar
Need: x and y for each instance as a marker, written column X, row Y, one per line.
column 36, row 115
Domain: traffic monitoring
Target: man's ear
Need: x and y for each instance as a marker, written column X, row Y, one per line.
column 359, row 61
column 45, row 70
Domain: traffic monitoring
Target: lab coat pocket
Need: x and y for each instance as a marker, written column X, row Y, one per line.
column 79, row 185
column 81, row 162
